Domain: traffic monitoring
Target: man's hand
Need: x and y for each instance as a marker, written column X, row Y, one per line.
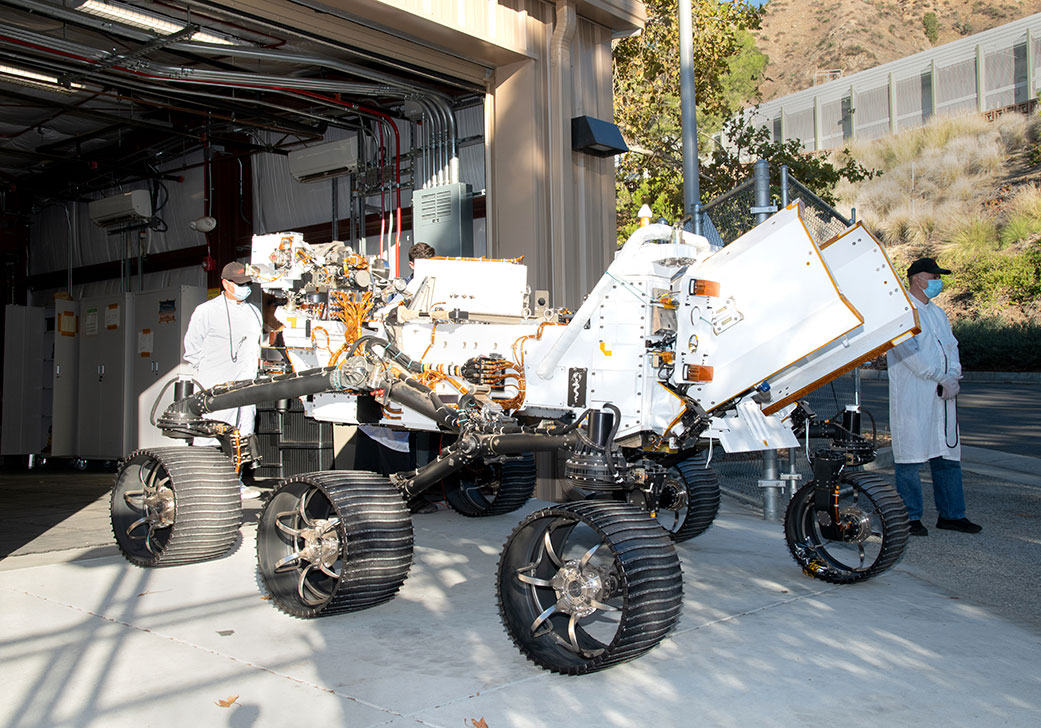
column 949, row 388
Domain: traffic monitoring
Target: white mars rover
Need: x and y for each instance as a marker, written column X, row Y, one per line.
column 678, row 346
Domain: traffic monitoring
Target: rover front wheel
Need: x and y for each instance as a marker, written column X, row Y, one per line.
column 874, row 530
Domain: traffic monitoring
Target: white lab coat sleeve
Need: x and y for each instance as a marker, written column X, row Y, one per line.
column 194, row 338
column 921, row 360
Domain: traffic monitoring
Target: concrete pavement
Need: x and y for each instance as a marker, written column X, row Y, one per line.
column 89, row 640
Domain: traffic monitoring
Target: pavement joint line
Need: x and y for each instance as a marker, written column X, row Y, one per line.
column 215, row 653
column 762, row 608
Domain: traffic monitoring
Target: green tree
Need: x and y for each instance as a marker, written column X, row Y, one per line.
column 932, row 26
column 731, row 163
column 647, row 96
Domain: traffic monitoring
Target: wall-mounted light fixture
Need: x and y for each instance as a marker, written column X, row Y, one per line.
column 599, row 138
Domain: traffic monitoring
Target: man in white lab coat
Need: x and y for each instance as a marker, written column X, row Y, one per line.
column 222, row 344
column 923, row 386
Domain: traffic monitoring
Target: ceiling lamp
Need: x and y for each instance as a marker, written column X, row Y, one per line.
column 137, row 19
column 35, row 80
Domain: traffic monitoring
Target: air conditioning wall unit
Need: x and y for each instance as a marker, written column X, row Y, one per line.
column 118, row 210
column 325, row 160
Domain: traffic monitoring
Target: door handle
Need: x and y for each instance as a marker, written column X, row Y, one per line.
column 101, row 372
column 57, row 371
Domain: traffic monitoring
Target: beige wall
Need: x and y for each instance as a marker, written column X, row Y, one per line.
column 551, row 205
column 554, row 206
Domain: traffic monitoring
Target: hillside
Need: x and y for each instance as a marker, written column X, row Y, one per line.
column 967, row 192
column 802, row 38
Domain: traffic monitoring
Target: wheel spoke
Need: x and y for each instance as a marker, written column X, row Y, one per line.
column 534, row 581
column 604, row 607
column 301, row 509
column 547, row 545
column 287, row 563
column 303, row 585
column 148, row 538
column 328, row 571
column 138, row 504
column 133, row 527
column 588, row 555
column 572, row 643
column 283, row 527
column 539, row 620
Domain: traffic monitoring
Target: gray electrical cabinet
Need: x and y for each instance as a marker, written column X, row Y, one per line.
column 105, row 377
column 26, row 408
column 443, row 217
column 64, row 423
column 160, row 323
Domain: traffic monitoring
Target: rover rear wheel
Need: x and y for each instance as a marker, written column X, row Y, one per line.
column 175, row 505
column 332, row 542
column 583, row 586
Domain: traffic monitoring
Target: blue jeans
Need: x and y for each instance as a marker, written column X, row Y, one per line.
column 947, row 489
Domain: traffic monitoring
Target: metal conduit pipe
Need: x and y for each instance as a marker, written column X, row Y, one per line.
column 74, row 17
column 437, row 154
column 452, row 137
column 185, row 74
column 141, row 81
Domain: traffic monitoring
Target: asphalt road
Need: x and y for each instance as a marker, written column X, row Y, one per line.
column 1004, row 417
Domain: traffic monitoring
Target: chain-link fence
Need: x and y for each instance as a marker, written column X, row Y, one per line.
column 724, row 220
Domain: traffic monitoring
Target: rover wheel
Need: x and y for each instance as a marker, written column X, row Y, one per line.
column 175, row 505
column 690, row 499
column 491, row 490
column 875, row 531
column 583, row 586
column 333, row 542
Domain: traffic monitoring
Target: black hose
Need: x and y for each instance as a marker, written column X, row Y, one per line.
column 424, row 403
column 610, row 440
column 312, row 381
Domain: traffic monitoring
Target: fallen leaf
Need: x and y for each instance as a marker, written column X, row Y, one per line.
column 479, row 723
column 227, row 703
column 225, row 632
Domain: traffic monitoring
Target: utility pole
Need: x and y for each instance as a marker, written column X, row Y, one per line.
column 688, row 117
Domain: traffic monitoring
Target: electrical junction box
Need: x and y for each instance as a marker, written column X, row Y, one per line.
column 443, row 217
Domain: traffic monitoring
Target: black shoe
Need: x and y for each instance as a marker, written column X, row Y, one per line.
column 961, row 524
column 917, row 529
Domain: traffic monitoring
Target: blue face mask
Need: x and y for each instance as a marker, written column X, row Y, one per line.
column 242, row 292
column 932, row 290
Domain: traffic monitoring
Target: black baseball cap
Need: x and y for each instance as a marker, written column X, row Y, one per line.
column 236, row 273
column 926, row 265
